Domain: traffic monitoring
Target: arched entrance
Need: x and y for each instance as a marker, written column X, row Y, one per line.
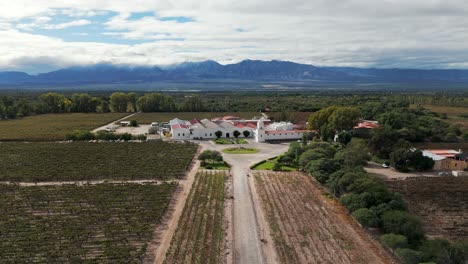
column 227, row 135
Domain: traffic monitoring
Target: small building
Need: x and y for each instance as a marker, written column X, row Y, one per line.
column 124, row 123
column 447, row 159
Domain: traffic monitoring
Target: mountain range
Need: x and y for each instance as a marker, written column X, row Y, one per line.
column 254, row 70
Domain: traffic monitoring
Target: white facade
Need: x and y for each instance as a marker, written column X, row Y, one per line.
column 262, row 131
column 277, row 131
column 205, row 129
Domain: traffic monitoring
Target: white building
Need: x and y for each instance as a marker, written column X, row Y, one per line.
column 277, row 131
column 262, row 129
column 203, row 129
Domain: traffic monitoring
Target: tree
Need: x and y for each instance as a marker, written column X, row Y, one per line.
column 83, row 103
column 403, row 223
column 408, row 256
column 394, row 241
column 55, row 103
column 218, row 134
column 193, row 104
column 119, row 102
column 355, row 154
column 333, row 118
column 236, row 133
column 132, row 102
column 155, row 102
column 210, row 155
column 133, row 123
column 366, row 217
column 246, row 133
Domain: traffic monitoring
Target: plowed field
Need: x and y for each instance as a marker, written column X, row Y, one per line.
column 309, row 227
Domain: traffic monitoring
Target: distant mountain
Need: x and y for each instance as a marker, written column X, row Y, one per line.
column 254, row 70
column 12, row 77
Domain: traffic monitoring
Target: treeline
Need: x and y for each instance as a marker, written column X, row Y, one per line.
column 340, row 168
column 11, row 107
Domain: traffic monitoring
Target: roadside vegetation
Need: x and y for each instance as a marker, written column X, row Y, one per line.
column 200, row 233
column 42, row 161
column 104, row 223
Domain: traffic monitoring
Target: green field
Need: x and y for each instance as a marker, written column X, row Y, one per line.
column 104, row 223
column 240, row 150
column 47, row 161
column 200, row 232
column 147, row 118
column 52, row 126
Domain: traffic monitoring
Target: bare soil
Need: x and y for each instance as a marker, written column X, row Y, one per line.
column 308, row 226
column 441, row 203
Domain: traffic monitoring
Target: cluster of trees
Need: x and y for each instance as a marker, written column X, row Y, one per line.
column 11, row 108
column 80, row 135
column 340, row 168
column 334, row 119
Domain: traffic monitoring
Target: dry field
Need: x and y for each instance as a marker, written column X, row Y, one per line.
column 52, row 126
column 200, row 234
column 456, row 115
column 309, row 227
column 441, row 203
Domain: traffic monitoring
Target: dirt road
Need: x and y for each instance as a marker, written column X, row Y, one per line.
column 249, row 227
column 112, row 123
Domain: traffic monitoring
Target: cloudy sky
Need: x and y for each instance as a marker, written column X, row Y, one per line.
column 43, row 35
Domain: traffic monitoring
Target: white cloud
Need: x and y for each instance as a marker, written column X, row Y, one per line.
column 75, row 23
column 386, row 33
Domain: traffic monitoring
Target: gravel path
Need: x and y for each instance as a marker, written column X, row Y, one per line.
column 250, row 228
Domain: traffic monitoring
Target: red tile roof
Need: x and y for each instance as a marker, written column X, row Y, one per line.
column 368, row 125
column 286, row 131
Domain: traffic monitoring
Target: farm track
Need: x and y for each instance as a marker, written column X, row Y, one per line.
column 308, row 228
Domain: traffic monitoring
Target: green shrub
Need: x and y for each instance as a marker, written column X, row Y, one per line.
column 408, row 256
column 366, row 217
column 403, row 223
column 352, row 202
column 394, row 241
column 133, row 123
column 80, row 136
column 276, row 166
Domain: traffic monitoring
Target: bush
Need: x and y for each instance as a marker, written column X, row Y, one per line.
column 276, row 167
column 403, row 223
column 394, row 241
column 134, row 123
column 210, row 155
column 80, row 136
column 408, row 256
column 366, row 217
column 353, row 202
